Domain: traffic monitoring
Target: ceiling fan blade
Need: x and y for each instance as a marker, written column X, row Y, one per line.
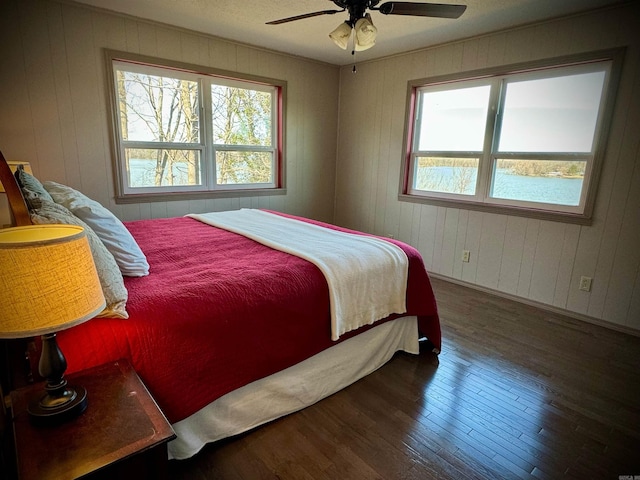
column 306, row 15
column 422, row 9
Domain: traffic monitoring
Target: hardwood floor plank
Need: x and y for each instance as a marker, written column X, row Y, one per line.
column 517, row 392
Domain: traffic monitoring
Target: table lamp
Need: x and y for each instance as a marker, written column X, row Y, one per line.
column 49, row 283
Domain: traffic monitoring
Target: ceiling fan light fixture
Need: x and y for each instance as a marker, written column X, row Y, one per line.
column 341, row 34
column 366, row 33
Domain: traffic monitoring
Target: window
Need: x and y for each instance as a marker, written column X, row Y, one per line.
column 524, row 141
column 189, row 131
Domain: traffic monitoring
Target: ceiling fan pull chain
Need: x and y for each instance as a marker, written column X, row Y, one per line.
column 353, row 53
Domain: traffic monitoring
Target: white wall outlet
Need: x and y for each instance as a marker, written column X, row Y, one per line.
column 585, row 284
column 466, row 256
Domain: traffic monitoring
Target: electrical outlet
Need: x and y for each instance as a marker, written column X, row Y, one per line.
column 466, row 256
column 585, row 284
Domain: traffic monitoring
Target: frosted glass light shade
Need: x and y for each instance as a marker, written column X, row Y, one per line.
column 366, row 33
column 341, row 34
column 48, row 280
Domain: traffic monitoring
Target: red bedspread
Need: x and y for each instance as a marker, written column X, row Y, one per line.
column 219, row 311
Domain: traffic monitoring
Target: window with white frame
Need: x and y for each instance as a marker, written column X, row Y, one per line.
column 528, row 140
column 187, row 130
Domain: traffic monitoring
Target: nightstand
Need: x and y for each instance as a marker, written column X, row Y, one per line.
column 122, row 434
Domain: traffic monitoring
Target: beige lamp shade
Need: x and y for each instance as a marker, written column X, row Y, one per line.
column 14, row 166
column 48, row 280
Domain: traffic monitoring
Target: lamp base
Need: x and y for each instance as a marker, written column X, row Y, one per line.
column 48, row 410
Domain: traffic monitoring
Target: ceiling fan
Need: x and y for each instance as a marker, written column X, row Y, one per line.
column 360, row 21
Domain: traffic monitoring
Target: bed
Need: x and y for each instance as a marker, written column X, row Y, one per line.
column 227, row 332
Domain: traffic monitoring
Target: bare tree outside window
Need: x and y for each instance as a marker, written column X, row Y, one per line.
column 169, row 133
column 241, row 118
column 164, row 110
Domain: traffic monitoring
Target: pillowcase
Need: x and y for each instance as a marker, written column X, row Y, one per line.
column 115, row 293
column 31, row 188
column 115, row 236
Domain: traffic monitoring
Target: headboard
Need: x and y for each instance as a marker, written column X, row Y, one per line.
column 17, row 203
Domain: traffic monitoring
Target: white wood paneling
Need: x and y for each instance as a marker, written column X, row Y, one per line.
column 565, row 268
column 55, row 115
column 448, row 255
column 540, row 261
column 461, row 234
column 426, row 240
column 472, row 243
column 544, row 274
column 511, row 261
column 52, row 92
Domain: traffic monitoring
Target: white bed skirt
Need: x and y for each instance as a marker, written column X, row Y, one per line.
column 295, row 388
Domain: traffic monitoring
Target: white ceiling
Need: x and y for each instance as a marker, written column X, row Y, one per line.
column 244, row 21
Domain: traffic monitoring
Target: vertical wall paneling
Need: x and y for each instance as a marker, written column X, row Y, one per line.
column 415, row 226
column 544, row 273
column 490, row 250
column 472, row 243
column 513, row 250
column 448, row 255
column 461, row 234
column 13, row 80
column 69, row 171
column 565, row 268
column 83, row 69
column 52, row 90
column 426, row 241
column 540, row 261
column 627, row 259
column 383, row 149
column 438, row 259
column 55, row 110
column 528, row 257
column 39, row 76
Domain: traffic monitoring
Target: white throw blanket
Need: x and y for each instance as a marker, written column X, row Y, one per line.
column 367, row 276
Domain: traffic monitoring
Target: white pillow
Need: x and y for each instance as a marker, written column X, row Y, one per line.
column 115, row 293
column 115, row 236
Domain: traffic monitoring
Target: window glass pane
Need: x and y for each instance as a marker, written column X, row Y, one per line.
column 544, row 181
column 161, row 167
column 551, row 115
column 241, row 116
column 453, row 120
column 235, row 167
column 158, row 108
column 447, row 175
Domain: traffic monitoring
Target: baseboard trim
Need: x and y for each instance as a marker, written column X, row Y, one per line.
column 540, row 305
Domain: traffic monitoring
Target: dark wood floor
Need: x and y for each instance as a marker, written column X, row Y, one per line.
column 516, row 393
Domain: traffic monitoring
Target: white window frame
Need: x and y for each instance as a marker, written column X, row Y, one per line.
column 496, row 79
column 205, row 77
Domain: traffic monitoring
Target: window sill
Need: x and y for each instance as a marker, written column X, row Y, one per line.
column 174, row 197
column 579, row 219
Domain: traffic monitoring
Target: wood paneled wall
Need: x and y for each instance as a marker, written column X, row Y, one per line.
column 540, row 261
column 53, row 103
column 53, row 113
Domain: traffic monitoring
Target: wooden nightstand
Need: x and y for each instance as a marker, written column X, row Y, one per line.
column 122, row 434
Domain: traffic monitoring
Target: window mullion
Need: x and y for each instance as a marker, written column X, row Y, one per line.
column 207, row 135
column 491, row 138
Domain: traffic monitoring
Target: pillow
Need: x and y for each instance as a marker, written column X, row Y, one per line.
column 115, row 293
column 31, row 188
column 106, row 225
